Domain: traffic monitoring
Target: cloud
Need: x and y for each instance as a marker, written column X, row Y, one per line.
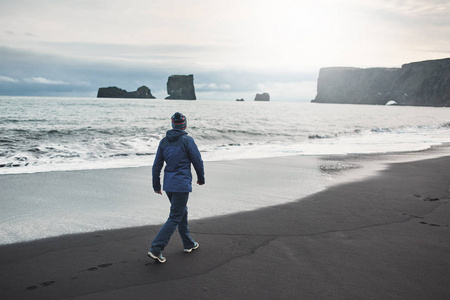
column 230, row 46
column 212, row 87
column 290, row 91
column 42, row 80
column 418, row 8
column 8, row 79
column 57, row 75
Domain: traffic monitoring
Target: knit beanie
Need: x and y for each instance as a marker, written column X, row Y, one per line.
column 179, row 121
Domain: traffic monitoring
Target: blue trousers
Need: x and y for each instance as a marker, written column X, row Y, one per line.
column 177, row 218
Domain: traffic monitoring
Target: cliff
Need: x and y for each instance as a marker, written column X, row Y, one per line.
column 115, row 92
column 262, row 97
column 181, row 87
column 425, row 83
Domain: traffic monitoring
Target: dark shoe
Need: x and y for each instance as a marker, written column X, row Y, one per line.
column 196, row 245
column 159, row 258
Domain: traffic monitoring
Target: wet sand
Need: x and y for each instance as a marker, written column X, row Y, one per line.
column 385, row 237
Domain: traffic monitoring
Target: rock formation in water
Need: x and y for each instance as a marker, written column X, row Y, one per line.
column 262, row 97
column 425, row 83
column 181, row 87
column 115, row 92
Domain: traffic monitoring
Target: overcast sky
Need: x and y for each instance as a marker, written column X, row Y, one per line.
column 234, row 48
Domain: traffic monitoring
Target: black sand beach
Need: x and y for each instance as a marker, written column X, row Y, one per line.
column 386, row 237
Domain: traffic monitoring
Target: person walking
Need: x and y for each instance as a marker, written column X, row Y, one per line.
column 178, row 151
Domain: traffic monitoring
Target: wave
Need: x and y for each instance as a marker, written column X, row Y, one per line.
column 321, row 136
column 381, row 130
column 16, row 121
column 6, row 141
column 73, row 133
column 90, row 133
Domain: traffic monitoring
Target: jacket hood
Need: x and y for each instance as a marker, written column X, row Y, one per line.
column 174, row 134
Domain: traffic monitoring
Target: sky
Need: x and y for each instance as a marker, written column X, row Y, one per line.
column 234, row 48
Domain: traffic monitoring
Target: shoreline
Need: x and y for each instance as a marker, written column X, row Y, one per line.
column 105, row 165
column 386, row 236
column 297, row 176
column 434, row 151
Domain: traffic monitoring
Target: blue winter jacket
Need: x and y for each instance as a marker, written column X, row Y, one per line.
column 178, row 150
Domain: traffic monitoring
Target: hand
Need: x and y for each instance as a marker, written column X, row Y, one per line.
column 198, row 182
column 158, row 192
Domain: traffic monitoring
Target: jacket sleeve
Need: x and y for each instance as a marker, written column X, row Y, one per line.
column 196, row 159
column 156, row 169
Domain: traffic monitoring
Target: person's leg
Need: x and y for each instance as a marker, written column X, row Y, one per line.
column 183, row 229
column 177, row 211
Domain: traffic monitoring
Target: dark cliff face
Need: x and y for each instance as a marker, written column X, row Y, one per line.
column 262, row 97
column 425, row 83
column 181, row 87
column 115, row 92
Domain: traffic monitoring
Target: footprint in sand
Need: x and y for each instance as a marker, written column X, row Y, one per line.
column 431, row 224
column 431, row 199
column 43, row 284
column 47, row 283
column 426, row 198
column 100, row 266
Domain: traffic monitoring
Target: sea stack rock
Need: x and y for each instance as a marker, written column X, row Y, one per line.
column 181, row 87
column 425, row 83
column 262, row 97
column 115, row 92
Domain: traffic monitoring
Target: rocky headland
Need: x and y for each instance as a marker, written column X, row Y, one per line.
column 181, row 87
column 115, row 92
column 425, row 83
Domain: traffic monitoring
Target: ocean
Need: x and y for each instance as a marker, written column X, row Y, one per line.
column 257, row 154
column 56, row 134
